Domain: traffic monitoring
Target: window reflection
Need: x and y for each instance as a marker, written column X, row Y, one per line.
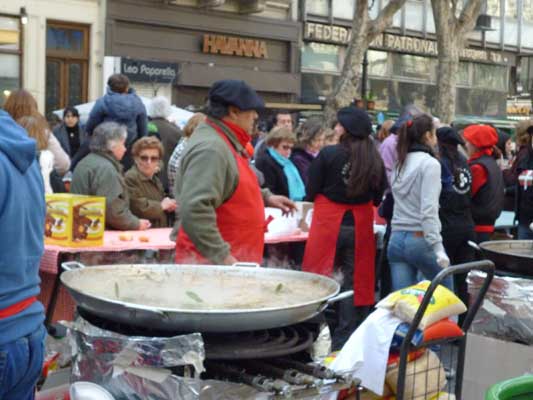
column 317, row 7
column 60, row 39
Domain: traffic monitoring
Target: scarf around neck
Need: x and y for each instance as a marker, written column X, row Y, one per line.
column 294, row 180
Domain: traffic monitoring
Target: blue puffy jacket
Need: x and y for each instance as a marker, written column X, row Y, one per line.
column 123, row 108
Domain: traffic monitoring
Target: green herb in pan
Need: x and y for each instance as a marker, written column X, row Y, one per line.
column 194, row 296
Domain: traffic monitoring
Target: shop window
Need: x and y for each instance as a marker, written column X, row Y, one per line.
column 527, row 10
column 491, row 77
column 67, row 65
column 510, row 8
column 320, row 57
column 378, row 64
column 481, row 102
column 316, row 87
column 343, row 9
column 463, row 75
column 417, row 67
column 493, row 8
column 10, row 54
column 317, row 7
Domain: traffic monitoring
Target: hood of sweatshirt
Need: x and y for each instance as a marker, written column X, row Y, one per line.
column 123, row 106
column 15, row 143
column 402, row 182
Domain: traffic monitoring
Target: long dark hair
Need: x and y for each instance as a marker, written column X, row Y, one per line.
column 450, row 152
column 366, row 166
column 411, row 133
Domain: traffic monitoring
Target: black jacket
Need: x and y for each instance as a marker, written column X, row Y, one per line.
column 60, row 132
column 275, row 178
column 328, row 174
column 487, row 204
column 455, row 199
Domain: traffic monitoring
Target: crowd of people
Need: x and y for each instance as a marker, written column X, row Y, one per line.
column 436, row 186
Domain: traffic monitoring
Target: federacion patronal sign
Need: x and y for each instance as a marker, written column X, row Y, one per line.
column 149, row 71
column 234, row 46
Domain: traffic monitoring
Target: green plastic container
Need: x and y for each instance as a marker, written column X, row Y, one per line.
column 520, row 388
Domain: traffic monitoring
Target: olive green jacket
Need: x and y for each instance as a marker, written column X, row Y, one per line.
column 145, row 197
column 100, row 174
column 207, row 177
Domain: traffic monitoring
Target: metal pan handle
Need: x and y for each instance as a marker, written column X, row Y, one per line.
column 334, row 299
column 72, row 265
column 246, row 264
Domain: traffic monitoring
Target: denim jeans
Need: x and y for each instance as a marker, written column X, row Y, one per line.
column 524, row 233
column 409, row 256
column 21, row 362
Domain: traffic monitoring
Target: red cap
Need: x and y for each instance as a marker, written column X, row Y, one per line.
column 481, row 135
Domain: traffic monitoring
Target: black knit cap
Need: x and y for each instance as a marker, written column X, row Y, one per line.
column 235, row 93
column 356, row 121
column 449, row 135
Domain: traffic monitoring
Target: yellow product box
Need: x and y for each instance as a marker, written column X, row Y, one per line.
column 74, row 220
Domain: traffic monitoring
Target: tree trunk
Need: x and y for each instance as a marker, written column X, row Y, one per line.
column 364, row 31
column 451, row 37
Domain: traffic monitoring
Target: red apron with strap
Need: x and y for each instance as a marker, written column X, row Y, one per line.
column 14, row 309
column 321, row 245
column 240, row 219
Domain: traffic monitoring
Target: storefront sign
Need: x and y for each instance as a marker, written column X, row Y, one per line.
column 519, row 108
column 327, row 33
column 149, row 71
column 235, row 46
column 414, row 45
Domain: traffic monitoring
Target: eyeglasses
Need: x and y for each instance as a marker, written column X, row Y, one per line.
column 148, row 158
column 286, row 147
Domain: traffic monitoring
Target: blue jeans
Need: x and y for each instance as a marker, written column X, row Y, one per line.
column 524, row 233
column 409, row 256
column 21, row 363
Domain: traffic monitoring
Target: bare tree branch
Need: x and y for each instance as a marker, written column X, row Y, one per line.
column 384, row 19
column 467, row 19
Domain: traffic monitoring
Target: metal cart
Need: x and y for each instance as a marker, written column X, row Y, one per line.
column 451, row 351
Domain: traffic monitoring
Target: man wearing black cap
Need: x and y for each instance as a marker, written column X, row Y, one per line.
column 221, row 203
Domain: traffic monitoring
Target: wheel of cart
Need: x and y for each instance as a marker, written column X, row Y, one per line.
column 520, row 388
column 416, row 380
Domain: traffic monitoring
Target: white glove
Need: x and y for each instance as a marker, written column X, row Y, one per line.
column 442, row 259
column 531, row 226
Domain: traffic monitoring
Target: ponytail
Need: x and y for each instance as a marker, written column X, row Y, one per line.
column 410, row 133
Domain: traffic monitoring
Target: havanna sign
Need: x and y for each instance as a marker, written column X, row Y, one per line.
column 234, row 46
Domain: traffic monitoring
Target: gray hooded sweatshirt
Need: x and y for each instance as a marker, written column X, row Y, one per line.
column 416, row 192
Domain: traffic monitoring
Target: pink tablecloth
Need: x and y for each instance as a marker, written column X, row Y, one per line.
column 158, row 240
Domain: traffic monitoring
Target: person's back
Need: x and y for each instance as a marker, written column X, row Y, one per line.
column 169, row 134
column 22, row 215
column 121, row 105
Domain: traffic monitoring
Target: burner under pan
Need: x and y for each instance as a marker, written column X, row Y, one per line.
column 265, row 343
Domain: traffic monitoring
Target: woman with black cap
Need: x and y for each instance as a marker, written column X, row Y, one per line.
column 454, row 212
column 415, row 245
column 345, row 181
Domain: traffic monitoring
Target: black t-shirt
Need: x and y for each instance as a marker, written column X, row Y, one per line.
column 329, row 173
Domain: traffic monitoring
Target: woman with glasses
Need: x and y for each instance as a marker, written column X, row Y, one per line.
column 281, row 175
column 100, row 174
column 147, row 195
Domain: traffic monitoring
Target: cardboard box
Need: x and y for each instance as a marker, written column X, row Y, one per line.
column 74, row 220
column 489, row 361
column 305, row 215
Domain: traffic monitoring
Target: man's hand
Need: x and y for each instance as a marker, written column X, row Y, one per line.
column 285, row 204
column 168, row 204
column 144, row 224
column 229, row 260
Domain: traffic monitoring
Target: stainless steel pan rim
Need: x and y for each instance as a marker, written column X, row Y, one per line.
column 154, row 267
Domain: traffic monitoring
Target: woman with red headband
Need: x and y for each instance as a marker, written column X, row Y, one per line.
column 487, row 179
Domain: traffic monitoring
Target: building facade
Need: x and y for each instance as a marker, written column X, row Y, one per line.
column 184, row 46
column 54, row 49
column 402, row 63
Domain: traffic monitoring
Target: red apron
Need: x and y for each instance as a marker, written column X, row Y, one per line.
column 321, row 245
column 240, row 219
